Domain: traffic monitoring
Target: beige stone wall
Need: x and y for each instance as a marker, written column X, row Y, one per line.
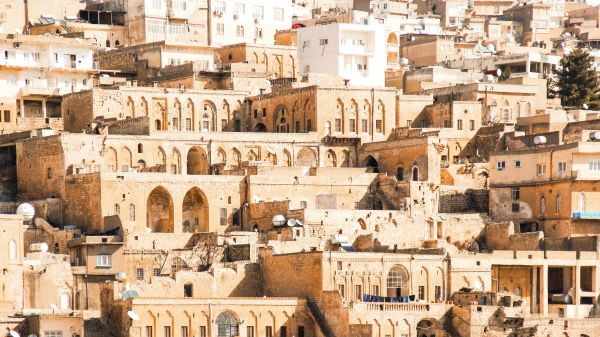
column 280, row 61
column 49, row 282
column 11, row 258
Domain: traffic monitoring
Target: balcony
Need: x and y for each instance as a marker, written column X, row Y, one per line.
column 180, row 14
column 586, row 215
column 405, row 307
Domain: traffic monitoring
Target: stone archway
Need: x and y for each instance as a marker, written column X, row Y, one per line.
column 197, row 161
column 159, row 211
column 195, row 211
column 306, row 157
column 371, row 163
column 227, row 324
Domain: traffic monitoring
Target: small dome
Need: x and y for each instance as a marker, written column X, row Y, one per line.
column 26, row 210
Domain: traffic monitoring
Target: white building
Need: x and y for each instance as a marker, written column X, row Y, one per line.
column 35, row 71
column 248, row 21
column 207, row 22
column 351, row 51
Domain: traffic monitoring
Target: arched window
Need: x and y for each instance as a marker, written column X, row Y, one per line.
column 557, row 204
column 397, row 280
column 140, row 148
column 227, row 325
column 117, row 43
column 12, row 250
column 400, row 173
column 415, row 174
column 542, row 204
column 107, row 43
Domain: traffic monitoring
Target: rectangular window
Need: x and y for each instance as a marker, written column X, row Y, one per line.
column 175, row 123
column 303, row 204
column 378, row 126
column 516, row 207
column 156, row 272
column 250, row 331
column 500, row 165
column 340, row 265
column 375, row 290
column 239, row 8
column 459, row 124
column 283, row 331
column 103, row 261
column 352, row 126
column 223, row 216
column 278, row 14
column 223, row 124
column 188, row 124
column 184, row 331
column 124, row 168
column 422, row 293
column 156, row 4
column 541, row 169
column 341, row 289
column 516, row 193
column 438, row 293
column 202, row 331
column 472, row 125
column 259, row 12
column 139, row 274
column 220, row 6
column 562, row 167
column 6, row 116
column 149, row 331
column 338, row 125
column 177, row 28
column 167, row 330
column 188, row 290
column 300, row 331
column 53, row 333
column 517, row 163
column 269, row 331
column 408, row 123
column 205, row 125
column 558, row 206
column 264, row 112
column 358, row 291
column 595, row 165
column 364, row 125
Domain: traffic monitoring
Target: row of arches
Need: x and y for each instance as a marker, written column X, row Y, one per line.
column 160, row 211
column 373, row 165
column 278, row 65
column 357, row 117
column 197, row 161
column 185, row 114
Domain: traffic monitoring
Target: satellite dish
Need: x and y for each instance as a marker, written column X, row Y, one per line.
column 13, row 333
column 279, row 220
column 299, row 223
column 148, row 230
column 121, row 276
column 133, row 315
column 491, row 47
column 539, row 140
column 54, row 307
column 291, row 222
column 44, row 247
column 26, row 210
column 585, row 106
column 489, row 78
column 498, row 72
column 404, row 61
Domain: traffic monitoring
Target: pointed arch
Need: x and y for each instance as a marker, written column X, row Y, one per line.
column 227, row 113
column 159, row 211
column 306, row 157
column 125, row 159
column 130, row 107
column 345, row 159
column 221, row 156
column 110, row 159
column 236, row 157
column 287, row 158
column 340, row 121
column 330, row 159
column 190, row 116
column 197, row 161
column 380, row 117
column 195, row 211
column 208, row 116
column 176, row 161
column 144, row 104
column 353, row 117
column 176, row 125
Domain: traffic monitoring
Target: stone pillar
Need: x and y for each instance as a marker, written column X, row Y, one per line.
column 533, row 306
column 22, row 105
column 544, row 290
column 577, row 287
column 527, row 66
column 44, row 110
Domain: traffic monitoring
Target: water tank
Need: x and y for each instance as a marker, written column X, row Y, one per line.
column 539, row 140
column 26, row 210
column 279, row 220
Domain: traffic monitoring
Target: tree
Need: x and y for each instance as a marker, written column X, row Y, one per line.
column 576, row 81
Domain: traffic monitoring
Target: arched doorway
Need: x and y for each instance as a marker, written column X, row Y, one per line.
column 159, row 210
column 306, row 157
column 195, row 211
column 400, row 173
column 331, row 159
column 371, row 163
column 227, row 324
column 415, row 173
column 260, row 127
column 397, row 281
column 197, row 161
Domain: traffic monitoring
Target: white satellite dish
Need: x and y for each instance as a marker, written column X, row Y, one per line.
column 585, row 106
column 133, row 315
column 279, row 220
column 44, row 247
column 498, row 72
column 26, row 210
column 539, row 140
column 13, row 333
column 148, row 230
column 491, row 47
column 299, row 223
column 120, row 276
column 291, row 222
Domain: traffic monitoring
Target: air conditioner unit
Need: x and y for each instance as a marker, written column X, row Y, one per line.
column 17, row 44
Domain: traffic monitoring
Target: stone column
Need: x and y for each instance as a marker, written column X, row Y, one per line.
column 44, row 109
column 544, row 290
column 577, row 287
